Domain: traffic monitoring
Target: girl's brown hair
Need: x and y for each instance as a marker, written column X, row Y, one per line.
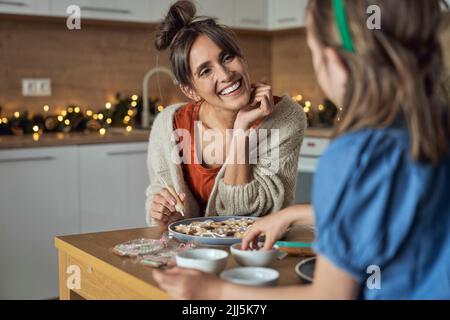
column 397, row 72
column 180, row 29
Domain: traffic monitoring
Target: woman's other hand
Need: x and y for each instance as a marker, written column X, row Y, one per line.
column 162, row 209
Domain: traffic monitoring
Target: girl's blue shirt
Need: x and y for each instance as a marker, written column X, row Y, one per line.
column 376, row 206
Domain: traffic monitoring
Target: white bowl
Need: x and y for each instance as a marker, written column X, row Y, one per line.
column 251, row 276
column 253, row 258
column 206, row 260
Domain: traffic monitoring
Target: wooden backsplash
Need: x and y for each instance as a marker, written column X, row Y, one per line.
column 87, row 67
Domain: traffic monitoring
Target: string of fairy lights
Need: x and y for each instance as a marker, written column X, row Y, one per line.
column 323, row 115
column 123, row 113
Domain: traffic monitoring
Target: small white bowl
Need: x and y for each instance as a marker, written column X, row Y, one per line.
column 253, row 258
column 250, row 276
column 206, row 260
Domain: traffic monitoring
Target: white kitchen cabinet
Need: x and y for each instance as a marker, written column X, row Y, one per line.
column 38, row 201
column 119, row 10
column 113, row 179
column 286, row 14
column 28, row 7
column 223, row 10
column 251, row 14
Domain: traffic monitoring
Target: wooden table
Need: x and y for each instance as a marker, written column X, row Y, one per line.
column 104, row 275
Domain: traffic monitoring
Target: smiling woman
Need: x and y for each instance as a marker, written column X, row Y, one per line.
column 212, row 72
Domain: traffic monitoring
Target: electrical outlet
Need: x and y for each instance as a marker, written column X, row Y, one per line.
column 36, row 87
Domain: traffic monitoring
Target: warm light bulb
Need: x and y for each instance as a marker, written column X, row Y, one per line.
column 5, row 120
column 16, row 114
column 109, row 121
column 306, row 109
column 100, row 116
column 126, row 119
column 308, row 104
column 108, row 105
column 321, row 107
column 35, row 128
column 64, row 113
column 77, row 109
column 134, row 104
column 35, row 136
column 134, row 97
column 160, row 108
column 102, row 131
column 129, row 128
column 95, row 116
column 299, row 97
column 130, row 112
column 67, row 122
column 46, row 108
column 70, row 110
column 89, row 113
column 60, row 118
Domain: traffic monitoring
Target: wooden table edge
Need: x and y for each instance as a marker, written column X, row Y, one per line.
column 66, row 250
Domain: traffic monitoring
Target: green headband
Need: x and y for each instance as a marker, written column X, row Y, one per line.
column 341, row 20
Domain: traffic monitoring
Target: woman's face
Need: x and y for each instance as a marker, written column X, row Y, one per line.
column 218, row 77
column 330, row 71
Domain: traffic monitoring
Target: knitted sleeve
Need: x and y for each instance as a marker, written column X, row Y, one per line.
column 271, row 189
column 154, row 165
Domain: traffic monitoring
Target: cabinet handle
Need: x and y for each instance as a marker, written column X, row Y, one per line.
column 125, row 153
column 287, row 20
column 105, row 10
column 26, row 159
column 15, row 4
column 251, row 21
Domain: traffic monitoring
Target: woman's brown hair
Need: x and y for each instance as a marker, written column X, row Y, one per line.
column 178, row 32
column 397, row 72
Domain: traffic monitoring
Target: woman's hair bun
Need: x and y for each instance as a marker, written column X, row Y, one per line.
column 180, row 14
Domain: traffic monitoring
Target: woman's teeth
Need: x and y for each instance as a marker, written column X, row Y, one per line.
column 231, row 89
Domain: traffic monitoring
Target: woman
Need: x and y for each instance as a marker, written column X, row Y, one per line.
column 380, row 193
column 212, row 73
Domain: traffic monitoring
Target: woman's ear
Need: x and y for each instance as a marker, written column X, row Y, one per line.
column 190, row 93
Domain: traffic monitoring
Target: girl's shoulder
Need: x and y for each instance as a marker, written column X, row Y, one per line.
column 368, row 145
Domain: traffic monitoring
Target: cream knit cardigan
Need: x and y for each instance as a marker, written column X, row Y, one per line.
column 268, row 192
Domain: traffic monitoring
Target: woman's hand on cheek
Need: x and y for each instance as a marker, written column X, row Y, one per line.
column 188, row 284
column 261, row 105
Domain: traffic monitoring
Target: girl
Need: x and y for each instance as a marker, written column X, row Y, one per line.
column 212, row 73
column 381, row 190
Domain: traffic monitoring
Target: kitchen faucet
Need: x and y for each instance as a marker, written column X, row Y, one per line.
column 146, row 111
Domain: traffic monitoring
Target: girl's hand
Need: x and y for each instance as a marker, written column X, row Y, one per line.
column 261, row 105
column 274, row 226
column 162, row 209
column 189, row 284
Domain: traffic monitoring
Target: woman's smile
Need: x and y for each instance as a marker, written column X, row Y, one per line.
column 232, row 90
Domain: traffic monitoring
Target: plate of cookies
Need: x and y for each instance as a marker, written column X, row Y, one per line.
column 223, row 230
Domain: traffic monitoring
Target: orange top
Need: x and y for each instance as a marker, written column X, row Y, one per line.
column 199, row 178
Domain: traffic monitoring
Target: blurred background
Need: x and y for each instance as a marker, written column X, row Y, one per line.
column 76, row 106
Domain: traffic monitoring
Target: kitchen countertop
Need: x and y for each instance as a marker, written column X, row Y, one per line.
column 112, row 136
column 75, row 138
column 325, row 133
